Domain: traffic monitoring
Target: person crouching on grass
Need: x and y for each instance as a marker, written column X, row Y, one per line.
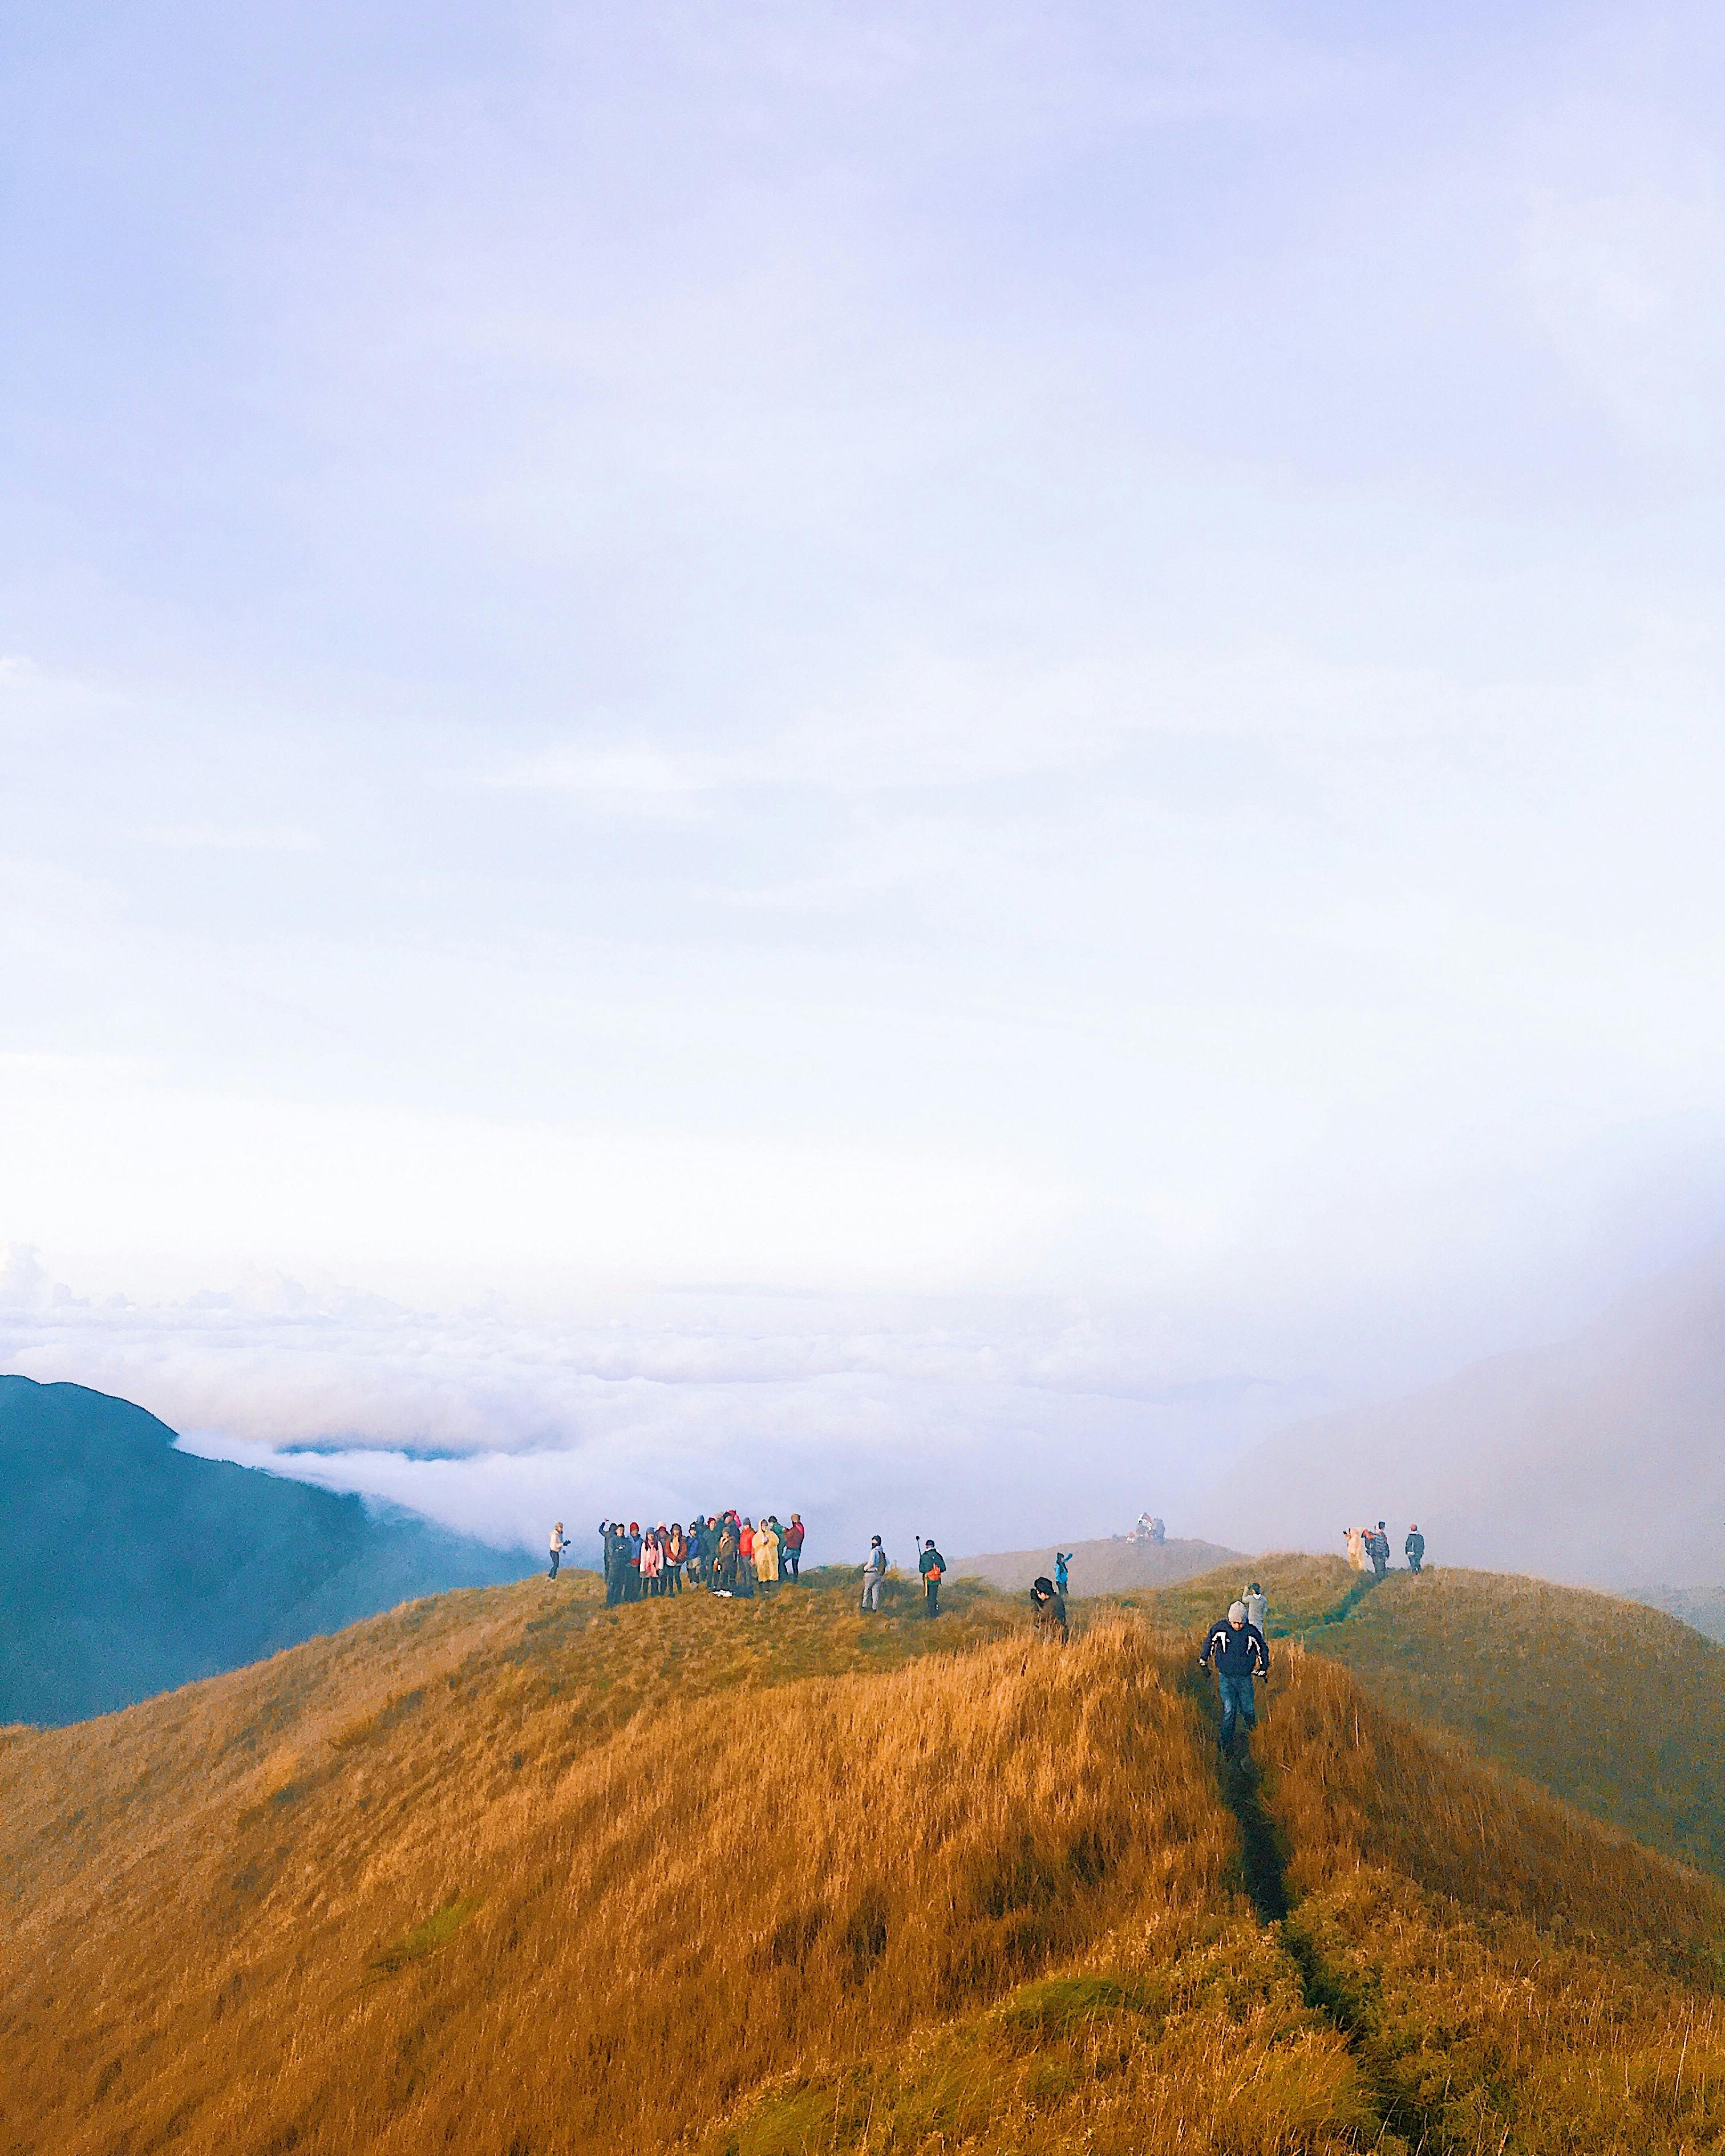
column 1049, row 1605
column 1236, row 1651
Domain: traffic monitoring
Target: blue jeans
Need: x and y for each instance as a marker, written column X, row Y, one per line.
column 1237, row 1701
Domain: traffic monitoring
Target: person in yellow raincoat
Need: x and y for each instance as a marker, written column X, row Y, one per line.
column 766, row 1553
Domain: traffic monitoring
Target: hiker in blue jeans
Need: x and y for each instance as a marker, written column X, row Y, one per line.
column 1236, row 1651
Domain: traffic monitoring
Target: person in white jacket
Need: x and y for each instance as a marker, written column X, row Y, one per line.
column 559, row 1544
column 874, row 1571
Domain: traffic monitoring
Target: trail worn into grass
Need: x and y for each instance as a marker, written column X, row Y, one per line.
column 1396, row 2102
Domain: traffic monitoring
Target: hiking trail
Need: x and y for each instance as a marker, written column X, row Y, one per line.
column 1400, row 2108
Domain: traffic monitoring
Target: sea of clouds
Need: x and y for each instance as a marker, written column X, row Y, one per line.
column 985, row 1421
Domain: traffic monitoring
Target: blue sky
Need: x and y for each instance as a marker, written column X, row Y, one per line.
column 1064, row 662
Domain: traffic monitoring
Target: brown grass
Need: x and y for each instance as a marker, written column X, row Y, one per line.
column 506, row 1873
column 1515, row 1977
column 1618, row 1707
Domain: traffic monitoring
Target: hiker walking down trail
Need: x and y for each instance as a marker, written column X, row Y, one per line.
column 1378, row 1549
column 1238, row 1652
column 1414, row 1549
column 1049, row 1622
column 874, row 1571
column 1062, row 1559
column 559, row 1543
column 932, row 1565
column 1257, row 1607
column 1356, row 1548
column 794, row 1535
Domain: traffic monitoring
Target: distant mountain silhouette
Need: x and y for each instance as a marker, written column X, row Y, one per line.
column 127, row 1567
column 1112, row 1567
column 1600, row 1460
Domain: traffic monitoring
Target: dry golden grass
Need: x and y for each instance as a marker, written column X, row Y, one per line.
column 507, row 1874
column 1513, row 1977
column 1303, row 1591
column 1616, row 1706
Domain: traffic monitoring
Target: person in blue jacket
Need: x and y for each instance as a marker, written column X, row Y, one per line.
column 1237, row 1652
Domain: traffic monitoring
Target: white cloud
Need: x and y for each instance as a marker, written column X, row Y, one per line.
column 233, row 839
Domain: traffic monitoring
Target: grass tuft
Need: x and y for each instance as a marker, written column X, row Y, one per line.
column 425, row 1938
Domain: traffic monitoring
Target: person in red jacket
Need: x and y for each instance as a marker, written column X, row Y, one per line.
column 794, row 1536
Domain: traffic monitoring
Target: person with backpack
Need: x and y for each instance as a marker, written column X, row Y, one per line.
column 874, row 1573
column 1049, row 1605
column 1062, row 1559
column 932, row 1565
column 1238, row 1652
column 794, row 1536
column 1414, row 1549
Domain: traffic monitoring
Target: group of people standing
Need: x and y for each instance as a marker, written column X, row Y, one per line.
column 1369, row 1549
column 726, row 1553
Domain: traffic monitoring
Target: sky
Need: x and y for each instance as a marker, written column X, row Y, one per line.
column 906, row 753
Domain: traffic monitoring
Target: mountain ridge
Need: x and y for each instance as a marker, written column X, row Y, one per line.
column 128, row 1567
column 773, row 1878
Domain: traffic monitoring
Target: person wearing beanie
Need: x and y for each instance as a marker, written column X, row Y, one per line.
column 874, row 1573
column 1238, row 1652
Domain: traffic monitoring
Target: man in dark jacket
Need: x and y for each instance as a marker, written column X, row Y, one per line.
column 932, row 1565
column 611, row 1542
column 1378, row 1549
column 1414, row 1549
column 1237, row 1652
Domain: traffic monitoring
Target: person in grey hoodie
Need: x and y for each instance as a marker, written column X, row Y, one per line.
column 1257, row 1606
column 874, row 1571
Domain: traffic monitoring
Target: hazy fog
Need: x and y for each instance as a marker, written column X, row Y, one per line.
column 941, row 756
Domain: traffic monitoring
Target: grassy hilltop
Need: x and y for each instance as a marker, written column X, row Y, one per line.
column 505, row 1872
column 1615, row 1707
